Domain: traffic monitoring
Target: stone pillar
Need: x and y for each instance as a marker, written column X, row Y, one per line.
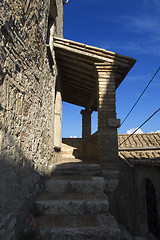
column 86, row 123
column 58, row 116
column 107, row 122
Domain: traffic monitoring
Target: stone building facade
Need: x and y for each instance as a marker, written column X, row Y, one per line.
column 27, row 95
column 39, row 69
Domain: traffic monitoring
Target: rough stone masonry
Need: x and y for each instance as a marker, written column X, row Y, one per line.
column 27, row 89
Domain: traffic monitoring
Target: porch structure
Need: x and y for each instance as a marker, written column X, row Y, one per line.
column 89, row 77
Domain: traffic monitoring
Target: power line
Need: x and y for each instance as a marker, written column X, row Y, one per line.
column 140, row 96
column 139, row 127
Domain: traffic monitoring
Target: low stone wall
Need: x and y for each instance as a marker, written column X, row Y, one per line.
column 72, row 148
column 77, row 148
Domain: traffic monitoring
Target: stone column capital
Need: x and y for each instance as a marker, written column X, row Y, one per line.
column 86, row 111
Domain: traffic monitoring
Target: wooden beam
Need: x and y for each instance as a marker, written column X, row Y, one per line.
column 73, row 87
column 95, row 56
column 75, row 103
column 88, row 79
column 93, row 50
column 74, row 100
column 69, row 100
column 75, row 67
column 73, row 60
column 92, row 98
column 60, row 52
column 80, row 98
column 76, row 83
column 78, row 80
column 77, row 95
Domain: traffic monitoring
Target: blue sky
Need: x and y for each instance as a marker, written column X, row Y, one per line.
column 129, row 28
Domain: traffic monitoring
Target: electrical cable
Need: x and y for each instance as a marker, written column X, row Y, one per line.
column 140, row 97
column 139, row 127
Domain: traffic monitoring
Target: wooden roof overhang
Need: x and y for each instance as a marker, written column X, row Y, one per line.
column 76, row 62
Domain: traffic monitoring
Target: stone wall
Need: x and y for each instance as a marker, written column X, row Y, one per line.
column 131, row 205
column 72, row 148
column 142, row 173
column 91, row 147
column 79, row 148
column 124, row 197
column 27, row 90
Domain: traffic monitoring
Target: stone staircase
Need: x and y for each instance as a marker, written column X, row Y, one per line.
column 74, row 206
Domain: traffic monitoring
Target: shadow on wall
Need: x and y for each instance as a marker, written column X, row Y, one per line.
column 137, row 202
column 19, row 185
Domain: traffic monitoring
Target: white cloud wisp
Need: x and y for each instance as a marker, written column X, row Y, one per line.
column 130, row 131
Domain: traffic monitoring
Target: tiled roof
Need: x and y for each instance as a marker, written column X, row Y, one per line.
column 140, row 148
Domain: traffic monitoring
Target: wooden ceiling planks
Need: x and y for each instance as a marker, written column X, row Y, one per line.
column 76, row 62
column 72, row 59
column 75, row 87
column 76, row 68
column 76, row 80
column 76, row 83
column 77, row 98
column 79, row 76
column 78, row 56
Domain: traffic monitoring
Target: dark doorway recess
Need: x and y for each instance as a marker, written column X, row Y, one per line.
column 152, row 212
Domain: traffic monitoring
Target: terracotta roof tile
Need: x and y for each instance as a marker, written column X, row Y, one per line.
column 140, row 148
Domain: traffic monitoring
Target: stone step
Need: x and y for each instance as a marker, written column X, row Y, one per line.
column 73, row 168
column 74, row 183
column 74, row 206
column 84, row 227
column 68, row 155
column 72, row 203
column 78, row 166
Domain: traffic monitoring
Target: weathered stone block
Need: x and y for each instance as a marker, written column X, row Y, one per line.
column 114, row 123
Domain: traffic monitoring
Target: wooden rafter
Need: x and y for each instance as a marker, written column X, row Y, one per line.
column 92, row 98
column 76, row 63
